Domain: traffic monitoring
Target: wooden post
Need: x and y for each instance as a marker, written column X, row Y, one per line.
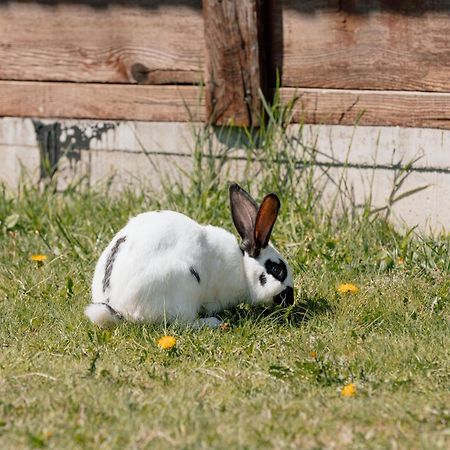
column 233, row 34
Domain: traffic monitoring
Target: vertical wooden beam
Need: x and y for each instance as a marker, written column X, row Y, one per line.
column 233, row 35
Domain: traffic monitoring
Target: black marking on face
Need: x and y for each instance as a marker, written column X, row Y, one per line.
column 263, row 279
column 195, row 274
column 110, row 261
column 277, row 269
column 285, row 298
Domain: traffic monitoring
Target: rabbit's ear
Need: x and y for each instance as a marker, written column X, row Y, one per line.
column 265, row 220
column 243, row 211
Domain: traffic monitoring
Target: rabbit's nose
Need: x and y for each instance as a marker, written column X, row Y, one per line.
column 285, row 298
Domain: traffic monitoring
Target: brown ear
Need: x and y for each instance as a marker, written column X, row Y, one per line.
column 243, row 211
column 265, row 220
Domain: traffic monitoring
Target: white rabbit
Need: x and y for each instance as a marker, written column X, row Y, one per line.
column 165, row 266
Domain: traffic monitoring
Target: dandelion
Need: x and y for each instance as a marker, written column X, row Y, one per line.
column 349, row 390
column 47, row 434
column 347, row 288
column 313, row 355
column 38, row 258
column 167, row 342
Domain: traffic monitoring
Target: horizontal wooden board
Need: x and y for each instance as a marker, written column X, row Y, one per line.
column 348, row 44
column 101, row 101
column 348, row 107
column 100, row 41
column 186, row 103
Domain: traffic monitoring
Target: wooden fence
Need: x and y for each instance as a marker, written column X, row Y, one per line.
column 384, row 62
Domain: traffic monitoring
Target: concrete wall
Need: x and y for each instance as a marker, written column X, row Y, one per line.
column 132, row 152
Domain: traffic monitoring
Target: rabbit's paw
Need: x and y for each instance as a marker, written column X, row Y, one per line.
column 211, row 322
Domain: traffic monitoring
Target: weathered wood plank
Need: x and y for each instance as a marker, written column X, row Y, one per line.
column 184, row 103
column 348, row 107
column 348, row 44
column 233, row 52
column 112, row 42
column 101, row 101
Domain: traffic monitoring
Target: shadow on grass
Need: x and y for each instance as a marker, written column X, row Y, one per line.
column 304, row 309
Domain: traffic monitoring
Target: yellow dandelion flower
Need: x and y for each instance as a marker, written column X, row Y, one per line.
column 38, row 258
column 349, row 390
column 313, row 355
column 346, row 288
column 47, row 434
column 167, row 342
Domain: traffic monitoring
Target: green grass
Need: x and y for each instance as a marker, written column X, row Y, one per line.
column 66, row 384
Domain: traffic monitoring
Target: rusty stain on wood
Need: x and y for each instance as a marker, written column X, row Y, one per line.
column 233, row 53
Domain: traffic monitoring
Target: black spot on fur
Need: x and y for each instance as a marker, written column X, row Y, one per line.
column 263, row 279
column 110, row 261
column 277, row 269
column 112, row 310
column 195, row 274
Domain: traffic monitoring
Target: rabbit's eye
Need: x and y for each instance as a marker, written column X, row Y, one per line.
column 277, row 270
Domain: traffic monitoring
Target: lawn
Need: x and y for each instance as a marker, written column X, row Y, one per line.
column 364, row 369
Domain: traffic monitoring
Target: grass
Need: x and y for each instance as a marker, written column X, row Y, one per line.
column 273, row 378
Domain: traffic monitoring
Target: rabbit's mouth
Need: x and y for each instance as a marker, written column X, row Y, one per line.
column 285, row 298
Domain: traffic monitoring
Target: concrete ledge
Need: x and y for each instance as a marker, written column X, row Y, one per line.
column 130, row 152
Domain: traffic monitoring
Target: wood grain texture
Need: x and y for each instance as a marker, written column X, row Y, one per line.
column 233, row 74
column 349, row 107
column 184, row 103
column 348, row 44
column 106, row 42
column 101, row 101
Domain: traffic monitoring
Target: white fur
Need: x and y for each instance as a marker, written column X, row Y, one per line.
column 101, row 315
column 151, row 279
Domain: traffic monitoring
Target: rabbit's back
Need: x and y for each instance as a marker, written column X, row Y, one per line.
column 161, row 263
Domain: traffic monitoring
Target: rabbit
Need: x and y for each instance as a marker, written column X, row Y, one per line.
column 164, row 266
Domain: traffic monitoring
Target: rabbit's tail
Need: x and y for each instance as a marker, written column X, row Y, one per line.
column 102, row 314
